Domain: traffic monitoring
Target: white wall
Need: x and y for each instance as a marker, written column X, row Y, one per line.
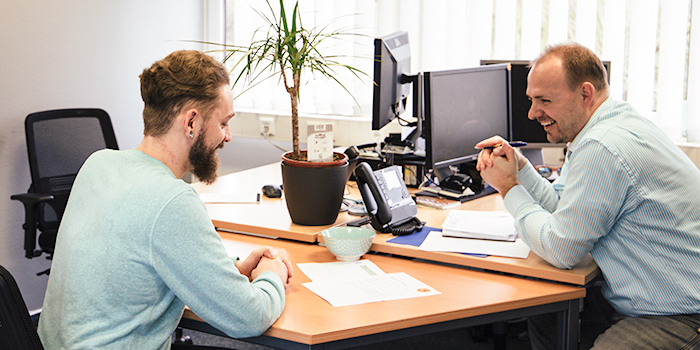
column 76, row 53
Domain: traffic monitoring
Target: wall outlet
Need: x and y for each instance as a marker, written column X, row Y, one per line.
column 267, row 126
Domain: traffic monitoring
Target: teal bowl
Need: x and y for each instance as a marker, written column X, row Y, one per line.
column 348, row 243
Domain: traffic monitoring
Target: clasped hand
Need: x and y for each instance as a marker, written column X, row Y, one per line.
column 499, row 166
column 262, row 259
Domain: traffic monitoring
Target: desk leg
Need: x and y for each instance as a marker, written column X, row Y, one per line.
column 568, row 326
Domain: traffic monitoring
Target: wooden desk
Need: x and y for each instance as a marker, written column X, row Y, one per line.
column 271, row 218
column 533, row 266
column 468, row 298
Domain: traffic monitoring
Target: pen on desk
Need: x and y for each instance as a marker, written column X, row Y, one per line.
column 512, row 144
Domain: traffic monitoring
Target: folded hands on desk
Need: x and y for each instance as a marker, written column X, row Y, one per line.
column 263, row 259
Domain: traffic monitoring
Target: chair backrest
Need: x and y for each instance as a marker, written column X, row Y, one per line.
column 17, row 331
column 58, row 143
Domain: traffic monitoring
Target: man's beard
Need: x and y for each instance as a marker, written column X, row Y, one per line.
column 205, row 161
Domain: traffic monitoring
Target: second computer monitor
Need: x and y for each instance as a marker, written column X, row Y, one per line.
column 463, row 107
column 522, row 128
column 392, row 65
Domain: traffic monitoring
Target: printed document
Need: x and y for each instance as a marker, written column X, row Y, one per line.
column 360, row 282
column 232, row 198
column 340, row 270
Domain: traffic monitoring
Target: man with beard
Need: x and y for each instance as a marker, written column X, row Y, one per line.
column 626, row 194
column 136, row 245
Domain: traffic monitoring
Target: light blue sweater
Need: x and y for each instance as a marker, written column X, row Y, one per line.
column 135, row 246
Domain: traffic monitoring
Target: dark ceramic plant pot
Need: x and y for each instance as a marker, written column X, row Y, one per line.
column 314, row 190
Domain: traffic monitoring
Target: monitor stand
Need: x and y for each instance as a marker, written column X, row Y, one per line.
column 534, row 155
column 457, row 185
column 477, row 186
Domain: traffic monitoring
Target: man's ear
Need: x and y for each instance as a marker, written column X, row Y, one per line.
column 191, row 118
column 587, row 93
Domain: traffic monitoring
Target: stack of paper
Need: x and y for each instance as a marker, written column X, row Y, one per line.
column 494, row 225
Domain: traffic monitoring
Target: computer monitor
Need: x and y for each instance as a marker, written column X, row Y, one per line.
column 463, row 107
column 522, row 128
column 392, row 66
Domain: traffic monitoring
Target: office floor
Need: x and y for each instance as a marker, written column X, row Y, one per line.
column 241, row 154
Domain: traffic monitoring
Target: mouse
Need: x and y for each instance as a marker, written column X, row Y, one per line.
column 272, row 191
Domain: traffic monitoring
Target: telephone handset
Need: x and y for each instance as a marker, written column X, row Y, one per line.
column 387, row 201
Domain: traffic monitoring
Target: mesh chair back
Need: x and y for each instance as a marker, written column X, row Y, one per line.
column 17, row 332
column 59, row 142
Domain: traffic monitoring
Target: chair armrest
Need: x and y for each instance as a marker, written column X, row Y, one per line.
column 32, row 198
column 31, row 211
column 34, row 315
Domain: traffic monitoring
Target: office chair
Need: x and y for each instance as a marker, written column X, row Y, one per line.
column 17, row 331
column 58, row 143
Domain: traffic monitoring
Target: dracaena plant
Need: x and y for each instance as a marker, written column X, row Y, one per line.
column 287, row 50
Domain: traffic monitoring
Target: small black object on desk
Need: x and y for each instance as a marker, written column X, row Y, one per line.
column 457, row 183
column 272, row 191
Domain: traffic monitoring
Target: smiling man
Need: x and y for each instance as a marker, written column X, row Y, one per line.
column 136, row 244
column 627, row 195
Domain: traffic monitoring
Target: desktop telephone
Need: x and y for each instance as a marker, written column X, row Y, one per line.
column 389, row 205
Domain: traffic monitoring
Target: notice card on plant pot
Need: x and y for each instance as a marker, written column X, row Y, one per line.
column 320, row 142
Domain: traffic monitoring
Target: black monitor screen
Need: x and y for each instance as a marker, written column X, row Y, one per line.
column 463, row 107
column 522, row 128
column 392, row 60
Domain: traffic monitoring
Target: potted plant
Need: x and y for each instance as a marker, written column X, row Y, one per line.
column 313, row 190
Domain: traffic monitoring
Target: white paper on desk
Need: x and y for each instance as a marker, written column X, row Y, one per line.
column 498, row 225
column 240, row 250
column 385, row 287
column 251, row 197
column 318, row 272
column 435, row 242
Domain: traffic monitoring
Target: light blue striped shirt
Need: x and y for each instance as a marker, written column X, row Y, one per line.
column 629, row 197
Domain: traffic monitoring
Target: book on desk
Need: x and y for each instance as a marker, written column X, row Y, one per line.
column 491, row 225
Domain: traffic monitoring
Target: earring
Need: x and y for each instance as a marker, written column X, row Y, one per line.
column 191, row 134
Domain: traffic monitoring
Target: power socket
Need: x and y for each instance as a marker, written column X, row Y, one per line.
column 267, row 126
